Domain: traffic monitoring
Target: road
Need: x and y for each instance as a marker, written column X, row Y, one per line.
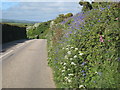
column 24, row 65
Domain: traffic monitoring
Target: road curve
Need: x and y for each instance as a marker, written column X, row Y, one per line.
column 26, row 66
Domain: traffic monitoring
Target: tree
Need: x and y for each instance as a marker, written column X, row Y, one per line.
column 86, row 5
column 61, row 16
column 68, row 15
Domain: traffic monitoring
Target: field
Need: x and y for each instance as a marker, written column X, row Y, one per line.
column 19, row 24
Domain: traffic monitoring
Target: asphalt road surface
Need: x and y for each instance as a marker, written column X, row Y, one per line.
column 24, row 65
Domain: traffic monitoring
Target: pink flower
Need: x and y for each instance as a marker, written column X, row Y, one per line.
column 116, row 18
column 101, row 39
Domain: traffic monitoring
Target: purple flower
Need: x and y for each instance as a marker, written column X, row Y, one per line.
column 108, row 7
column 55, row 62
column 98, row 20
column 102, row 8
column 84, row 74
column 56, row 67
column 119, row 59
column 56, row 51
column 83, row 64
column 60, row 42
column 100, row 73
column 70, row 32
column 83, row 71
column 66, row 36
column 95, row 9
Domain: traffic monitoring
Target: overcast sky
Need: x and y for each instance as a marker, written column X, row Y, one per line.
column 38, row 11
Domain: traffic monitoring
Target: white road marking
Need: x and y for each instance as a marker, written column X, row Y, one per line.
column 6, row 54
column 26, row 42
column 20, row 45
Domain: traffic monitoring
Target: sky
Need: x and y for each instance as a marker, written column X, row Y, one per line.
column 38, row 11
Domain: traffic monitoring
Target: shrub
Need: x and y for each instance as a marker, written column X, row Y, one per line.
column 86, row 53
column 12, row 32
column 38, row 29
column 68, row 15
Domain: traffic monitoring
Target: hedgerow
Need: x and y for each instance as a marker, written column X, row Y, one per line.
column 12, row 32
column 38, row 29
column 84, row 49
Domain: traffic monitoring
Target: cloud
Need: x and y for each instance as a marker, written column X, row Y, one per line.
column 58, row 0
column 39, row 11
column 40, row 0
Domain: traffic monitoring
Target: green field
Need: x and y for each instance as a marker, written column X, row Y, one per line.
column 19, row 24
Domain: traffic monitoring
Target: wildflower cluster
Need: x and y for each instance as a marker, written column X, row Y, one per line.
column 87, row 53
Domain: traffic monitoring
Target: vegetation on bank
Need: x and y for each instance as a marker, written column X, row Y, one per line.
column 38, row 29
column 84, row 50
column 41, row 29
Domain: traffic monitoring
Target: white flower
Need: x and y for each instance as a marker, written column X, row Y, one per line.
column 70, row 74
column 69, row 52
column 64, row 63
column 80, row 53
column 72, row 47
column 96, row 72
column 64, row 67
column 67, row 49
column 68, row 69
column 61, row 63
column 81, row 86
column 71, row 58
column 69, row 80
column 76, row 49
column 68, row 45
column 66, row 78
column 72, row 63
column 63, row 70
column 66, row 57
column 75, row 56
column 63, row 48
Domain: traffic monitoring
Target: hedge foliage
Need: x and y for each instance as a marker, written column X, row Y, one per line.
column 41, row 29
column 38, row 29
column 84, row 50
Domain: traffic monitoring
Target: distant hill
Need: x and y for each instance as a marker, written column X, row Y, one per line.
column 17, row 21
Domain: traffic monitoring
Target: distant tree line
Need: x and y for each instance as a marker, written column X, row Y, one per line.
column 11, row 33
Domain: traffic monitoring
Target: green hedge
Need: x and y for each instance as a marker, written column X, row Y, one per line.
column 11, row 33
column 85, row 53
